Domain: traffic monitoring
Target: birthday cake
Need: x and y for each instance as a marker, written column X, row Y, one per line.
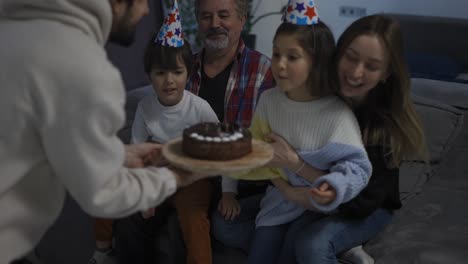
column 216, row 141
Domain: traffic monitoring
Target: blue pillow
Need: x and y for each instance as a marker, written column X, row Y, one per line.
column 433, row 66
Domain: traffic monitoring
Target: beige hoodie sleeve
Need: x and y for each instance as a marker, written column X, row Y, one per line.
column 80, row 116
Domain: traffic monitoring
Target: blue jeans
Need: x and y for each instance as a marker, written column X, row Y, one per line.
column 237, row 233
column 314, row 238
column 266, row 244
column 262, row 244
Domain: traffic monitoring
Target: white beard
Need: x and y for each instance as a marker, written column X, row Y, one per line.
column 217, row 44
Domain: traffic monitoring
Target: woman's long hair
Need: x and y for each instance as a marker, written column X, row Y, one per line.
column 388, row 115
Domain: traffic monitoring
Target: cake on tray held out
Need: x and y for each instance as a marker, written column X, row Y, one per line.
column 216, row 141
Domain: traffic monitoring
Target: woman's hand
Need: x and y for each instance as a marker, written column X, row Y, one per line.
column 298, row 195
column 323, row 194
column 228, row 206
column 284, row 154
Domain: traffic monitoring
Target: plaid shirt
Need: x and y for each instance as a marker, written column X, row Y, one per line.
column 250, row 76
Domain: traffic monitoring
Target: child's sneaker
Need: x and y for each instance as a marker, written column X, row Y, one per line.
column 356, row 255
column 103, row 257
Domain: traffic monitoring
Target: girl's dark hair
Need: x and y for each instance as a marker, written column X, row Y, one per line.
column 318, row 42
column 165, row 58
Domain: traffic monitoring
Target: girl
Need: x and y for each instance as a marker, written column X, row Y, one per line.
column 319, row 125
column 374, row 79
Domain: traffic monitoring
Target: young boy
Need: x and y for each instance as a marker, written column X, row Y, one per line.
column 164, row 116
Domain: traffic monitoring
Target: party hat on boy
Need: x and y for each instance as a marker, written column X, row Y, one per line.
column 170, row 34
column 301, row 12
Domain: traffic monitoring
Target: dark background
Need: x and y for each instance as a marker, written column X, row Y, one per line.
column 129, row 60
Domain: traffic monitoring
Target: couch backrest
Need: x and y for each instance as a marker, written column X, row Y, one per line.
column 133, row 97
column 442, row 123
column 450, row 41
column 450, row 93
column 441, row 106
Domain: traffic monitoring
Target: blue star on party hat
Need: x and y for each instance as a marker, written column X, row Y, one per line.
column 301, row 13
column 170, row 34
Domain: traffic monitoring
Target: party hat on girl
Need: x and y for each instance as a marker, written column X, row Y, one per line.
column 301, row 12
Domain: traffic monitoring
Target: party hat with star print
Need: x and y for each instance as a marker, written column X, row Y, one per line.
column 301, row 12
column 170, row 34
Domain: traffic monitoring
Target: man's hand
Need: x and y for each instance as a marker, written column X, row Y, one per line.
column 185, row 178
column 148, row 213
column 228, row 206
column 150, row 154
column 323, row 194
column 143, row 154
column 155, row 158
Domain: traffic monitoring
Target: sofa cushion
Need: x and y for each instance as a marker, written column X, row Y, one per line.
column 413, row 176
column 451, row 93
column 441, row 124
column 433, row 66
column 430, row 228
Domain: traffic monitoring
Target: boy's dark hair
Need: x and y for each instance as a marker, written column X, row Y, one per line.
column 165, row 58
column 318, row 42
column 129, row 2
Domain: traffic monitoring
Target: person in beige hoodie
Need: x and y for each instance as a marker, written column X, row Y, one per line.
column 60, row 110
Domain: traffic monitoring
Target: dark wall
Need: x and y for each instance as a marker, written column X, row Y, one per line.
column 129, row 60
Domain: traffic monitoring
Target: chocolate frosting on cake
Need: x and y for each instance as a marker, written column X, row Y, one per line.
column 216, row 141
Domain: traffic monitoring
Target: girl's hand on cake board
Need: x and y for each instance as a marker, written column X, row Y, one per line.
column 284, row 154
column 228, row 206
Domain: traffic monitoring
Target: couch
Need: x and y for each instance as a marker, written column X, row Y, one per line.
column 430, row 228
column 435, row 47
